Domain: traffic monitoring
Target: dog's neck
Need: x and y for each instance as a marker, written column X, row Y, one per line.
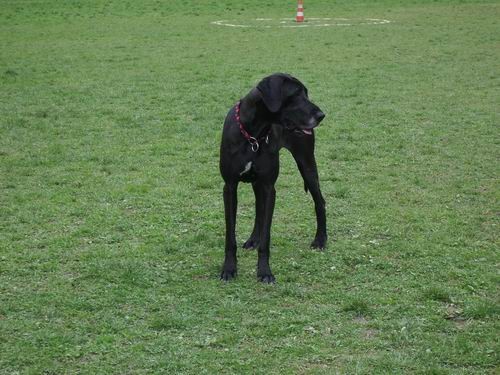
column 254, row 113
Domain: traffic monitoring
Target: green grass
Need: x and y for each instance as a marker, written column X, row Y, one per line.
column 111, row 214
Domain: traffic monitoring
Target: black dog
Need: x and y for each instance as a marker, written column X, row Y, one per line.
column 277, row 113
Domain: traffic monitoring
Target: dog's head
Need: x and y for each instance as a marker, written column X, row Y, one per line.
column 286, row 98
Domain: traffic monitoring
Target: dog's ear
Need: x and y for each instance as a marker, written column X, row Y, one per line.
column 271, row 89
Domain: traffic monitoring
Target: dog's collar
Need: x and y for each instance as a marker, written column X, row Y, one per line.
column 254, row 142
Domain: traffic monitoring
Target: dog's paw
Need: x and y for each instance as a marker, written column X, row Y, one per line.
column 227, row 275
column 319, row 243
column 251, row 243
column 267, row 279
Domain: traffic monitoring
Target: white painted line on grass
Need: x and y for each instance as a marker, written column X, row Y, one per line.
column 308, row 22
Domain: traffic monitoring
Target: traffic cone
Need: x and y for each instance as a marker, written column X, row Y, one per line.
column 300, row 11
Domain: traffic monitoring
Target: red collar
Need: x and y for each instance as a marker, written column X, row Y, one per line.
column 254, row 142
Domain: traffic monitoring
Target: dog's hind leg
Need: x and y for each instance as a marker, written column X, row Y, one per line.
column 302, row 150
column 309, row 172
column 230, row 206
column 266, row 197
column 253, row 240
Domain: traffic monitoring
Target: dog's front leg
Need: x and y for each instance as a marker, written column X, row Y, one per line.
column 230, row 207
column 266, row 197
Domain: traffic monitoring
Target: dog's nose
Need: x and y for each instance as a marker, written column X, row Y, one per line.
column 319, row 116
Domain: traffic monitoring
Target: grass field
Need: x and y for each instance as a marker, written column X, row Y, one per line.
column 111, row 214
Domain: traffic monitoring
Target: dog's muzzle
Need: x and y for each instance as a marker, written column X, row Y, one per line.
column 313, row 122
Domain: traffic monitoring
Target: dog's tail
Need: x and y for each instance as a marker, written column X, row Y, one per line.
column 305, row 188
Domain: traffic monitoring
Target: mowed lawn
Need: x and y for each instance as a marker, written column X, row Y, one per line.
column 111, row 213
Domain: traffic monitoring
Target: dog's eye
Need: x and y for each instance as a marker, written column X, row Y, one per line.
column 292, row 101
column 289, row 100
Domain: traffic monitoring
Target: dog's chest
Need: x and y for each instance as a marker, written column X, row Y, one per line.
column 247, row 172
column 248, row 166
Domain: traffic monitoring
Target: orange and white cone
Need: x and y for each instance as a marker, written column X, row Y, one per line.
column 300, row 11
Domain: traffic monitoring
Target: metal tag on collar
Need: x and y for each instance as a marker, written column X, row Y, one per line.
column 254, row 143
